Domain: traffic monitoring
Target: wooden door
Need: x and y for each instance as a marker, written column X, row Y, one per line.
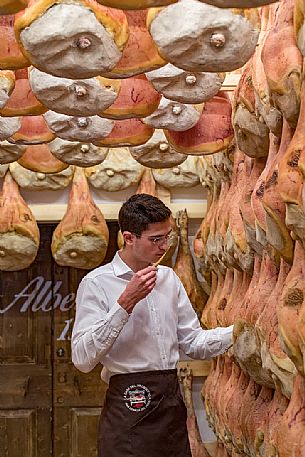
column 47, row 407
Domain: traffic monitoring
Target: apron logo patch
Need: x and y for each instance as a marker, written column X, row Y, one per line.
column 137, row 397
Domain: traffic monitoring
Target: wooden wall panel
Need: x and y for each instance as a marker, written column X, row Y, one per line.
column 25, row 433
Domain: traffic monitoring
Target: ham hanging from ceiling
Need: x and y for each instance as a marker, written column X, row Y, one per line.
column 19, row 233
column 56, row 37
column 76, row 153
column 251, row 131
column 212, row 133
column 184, row 86
column 140, row 53
column 74, row 97
column 174, row 116
column 33, row 130
column 81, row 238
column 117, row 172
column 203, row 38
column 39, row 158
column 32, row 180
column 137, row 98
column 127, row 132
column 74, row 128
column 157, row 152
column 284, row 78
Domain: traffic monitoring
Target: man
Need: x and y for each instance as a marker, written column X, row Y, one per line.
column 133, row 318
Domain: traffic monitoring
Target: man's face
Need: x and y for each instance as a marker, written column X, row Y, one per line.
column 153, row 242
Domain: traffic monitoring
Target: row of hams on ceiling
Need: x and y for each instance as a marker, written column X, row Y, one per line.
column 83, row 83
column 252, row 243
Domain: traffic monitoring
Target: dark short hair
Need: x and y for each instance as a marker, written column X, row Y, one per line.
column 139, row 211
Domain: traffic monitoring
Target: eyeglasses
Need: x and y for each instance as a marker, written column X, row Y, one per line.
column 159, row 240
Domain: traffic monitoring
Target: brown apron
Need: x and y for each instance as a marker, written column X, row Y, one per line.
column 144, row 416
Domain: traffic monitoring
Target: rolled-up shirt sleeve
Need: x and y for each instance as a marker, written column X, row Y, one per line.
column 96, row 325
column 196, row 342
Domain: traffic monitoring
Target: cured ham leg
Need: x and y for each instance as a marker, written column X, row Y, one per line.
column 19, row 233
column 289, row 305
column 197, row 447
column 291, row 177
column 277, row 233
column 81, row 238
column 290, row 435
column 284, row 78
column 185, row 268
column 266, row 328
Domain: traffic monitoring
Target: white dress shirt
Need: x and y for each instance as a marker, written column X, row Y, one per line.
column 147, row 339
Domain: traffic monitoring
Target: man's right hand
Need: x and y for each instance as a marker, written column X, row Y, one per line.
column 138, row 288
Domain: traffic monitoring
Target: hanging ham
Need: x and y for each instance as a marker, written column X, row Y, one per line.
column 31, row 180
column 117, row 172
column 140, row 53
column 137, row 98
column 81, row 238
column 209, row 40
column 157, row 152
column 38, row 157
column 284, row 78
column 185, row 86
column 75, row 153
column 174, row 116
column 74, row 97
column 127, row 132
column 33, row 130
column 73, row 128
column 185, row 268
column 56, row 37
column 183, row 175
column 19, row 233
column 212, row 133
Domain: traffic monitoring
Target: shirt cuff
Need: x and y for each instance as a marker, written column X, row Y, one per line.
column 118, row 316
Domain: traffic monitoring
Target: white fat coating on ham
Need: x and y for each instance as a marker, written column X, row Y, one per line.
column 81, row 251
column 157, row 152
column 76, row 153
column 16, row 251
column 173, row 116
column 10, row 152
column 32, row 180
column 185, row 86
column 9, row 126
column 84, row 97
column 118, row 171
column 209, row 40
column 53, row 42
column 252, row 135
column 184, row 175
column 73, row 128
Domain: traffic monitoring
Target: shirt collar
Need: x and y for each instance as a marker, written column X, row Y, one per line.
column 120, row 268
